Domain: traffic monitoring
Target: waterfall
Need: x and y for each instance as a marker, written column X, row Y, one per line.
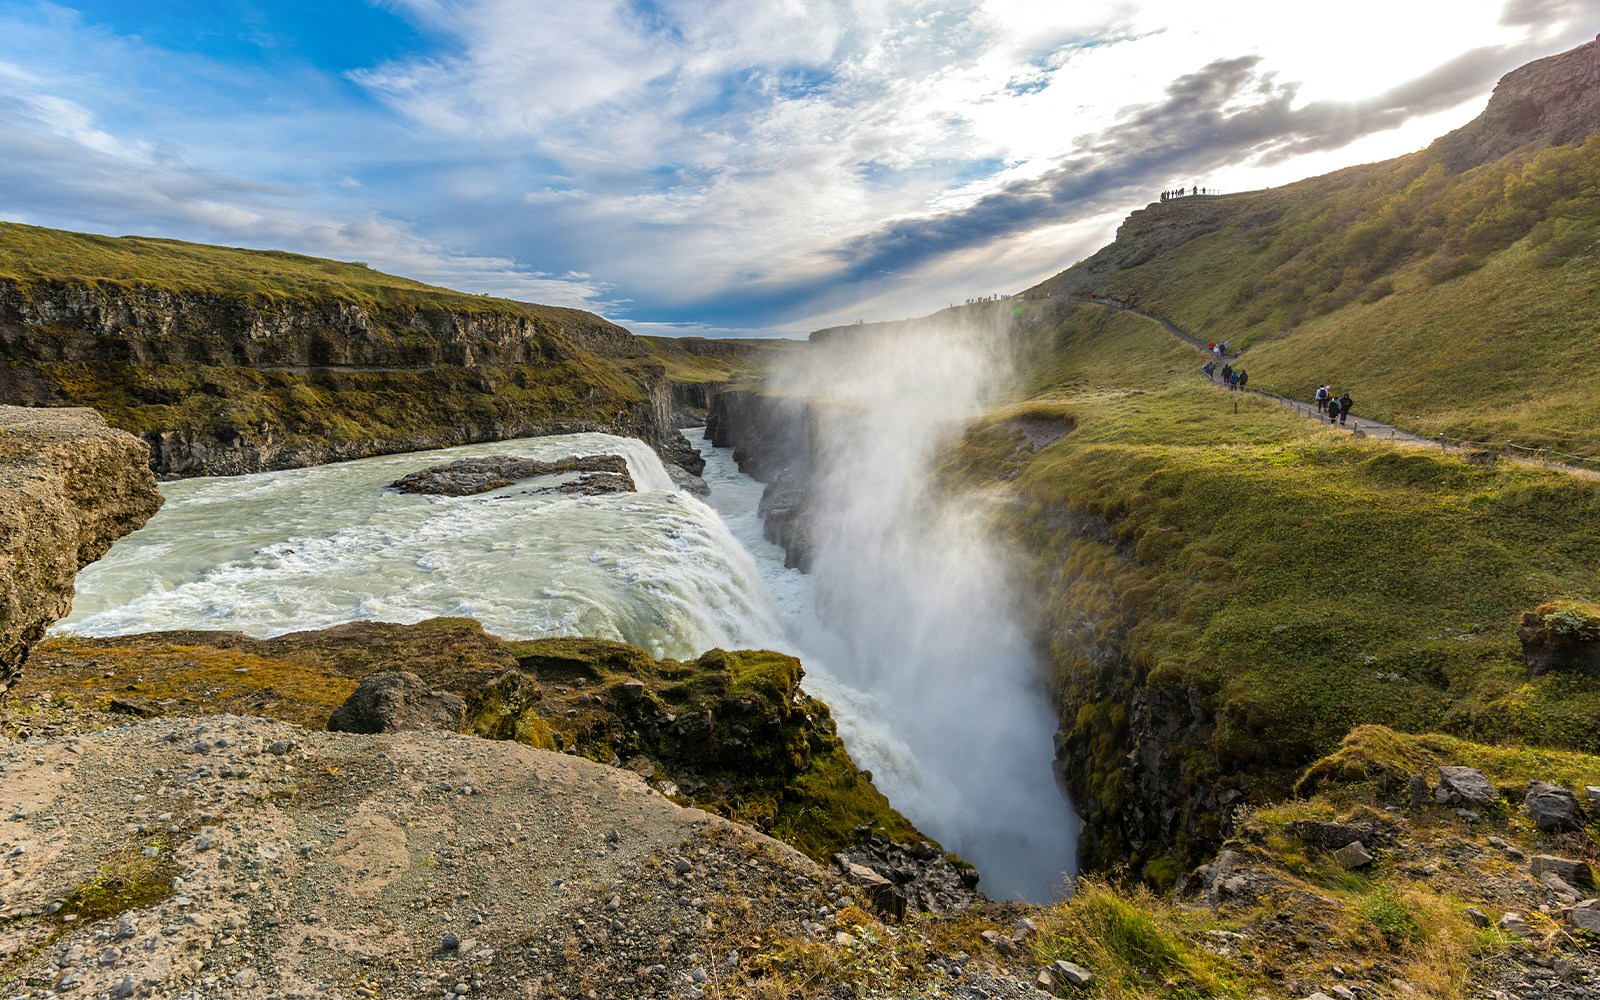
column 917, row 602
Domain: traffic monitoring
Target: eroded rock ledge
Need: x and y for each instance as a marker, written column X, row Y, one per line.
column 69, row 487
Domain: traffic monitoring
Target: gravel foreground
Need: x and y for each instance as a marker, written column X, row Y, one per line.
column 239, row 857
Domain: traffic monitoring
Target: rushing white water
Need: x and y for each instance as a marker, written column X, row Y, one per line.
column 919, row 601
column 308, row 548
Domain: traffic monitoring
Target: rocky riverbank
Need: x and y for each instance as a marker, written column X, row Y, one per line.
column 241, row 857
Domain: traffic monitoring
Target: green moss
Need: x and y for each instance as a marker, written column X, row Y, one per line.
column 128, row 880
column 773, row 676
column 1573, row 619
column 1379, row 761
column 1137, row 947
column 166, row 674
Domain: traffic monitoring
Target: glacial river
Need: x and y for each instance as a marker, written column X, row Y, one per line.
column 308, row 548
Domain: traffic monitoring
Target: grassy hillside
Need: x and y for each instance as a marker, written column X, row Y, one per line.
column 702, row 361
column 1462, row 304
column 1302, row 581
column 30, row 254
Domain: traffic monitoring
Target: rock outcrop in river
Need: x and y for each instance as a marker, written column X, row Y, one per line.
column 596, row 474
column 69, row 487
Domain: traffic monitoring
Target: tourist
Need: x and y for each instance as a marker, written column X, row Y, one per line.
column 1210, row 370
column 1244, row 377
column 1322, row 398
column 1227, row 374
column 1344, row 408
column 1333, row 408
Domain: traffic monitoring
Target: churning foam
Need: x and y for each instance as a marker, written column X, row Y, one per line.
column 309, row 548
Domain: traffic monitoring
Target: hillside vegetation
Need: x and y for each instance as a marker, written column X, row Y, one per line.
column 1454, row 303
column 33, row 254
column 699, row 361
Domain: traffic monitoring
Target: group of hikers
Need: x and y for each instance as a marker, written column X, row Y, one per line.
column 1183, row 193
column 1336, row 409
column 1233, row 378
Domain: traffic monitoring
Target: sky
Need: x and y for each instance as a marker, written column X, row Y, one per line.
column 712, row 167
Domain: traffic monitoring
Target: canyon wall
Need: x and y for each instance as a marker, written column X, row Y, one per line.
column 224, row 382
column 69, row 487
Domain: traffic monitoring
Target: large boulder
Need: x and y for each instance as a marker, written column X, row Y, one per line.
column 397, row 701
column 1553, row 808
column 1574, row 873
column 1463, row 786
column 1585, row 916
column 69, row 487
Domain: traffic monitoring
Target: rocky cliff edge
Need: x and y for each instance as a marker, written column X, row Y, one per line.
column 69, row 487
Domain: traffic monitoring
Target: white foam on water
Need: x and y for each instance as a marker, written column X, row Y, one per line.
column 308, row 548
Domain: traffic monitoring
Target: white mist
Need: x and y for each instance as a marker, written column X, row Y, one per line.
column 919, row 602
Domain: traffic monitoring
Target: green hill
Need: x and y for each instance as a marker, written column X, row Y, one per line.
column 31, row 255
column 1452, row 294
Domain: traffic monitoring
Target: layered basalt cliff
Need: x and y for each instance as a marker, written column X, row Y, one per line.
column 222, row 382
column 771, row 441
column 69, row 487
column 1136, row 754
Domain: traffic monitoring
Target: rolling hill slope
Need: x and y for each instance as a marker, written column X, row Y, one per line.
column 1455, row 291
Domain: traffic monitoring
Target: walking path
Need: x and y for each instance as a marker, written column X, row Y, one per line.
column 1359, row 427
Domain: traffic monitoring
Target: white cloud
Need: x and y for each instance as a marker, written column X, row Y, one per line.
column 701, row 169
column 716, row 156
